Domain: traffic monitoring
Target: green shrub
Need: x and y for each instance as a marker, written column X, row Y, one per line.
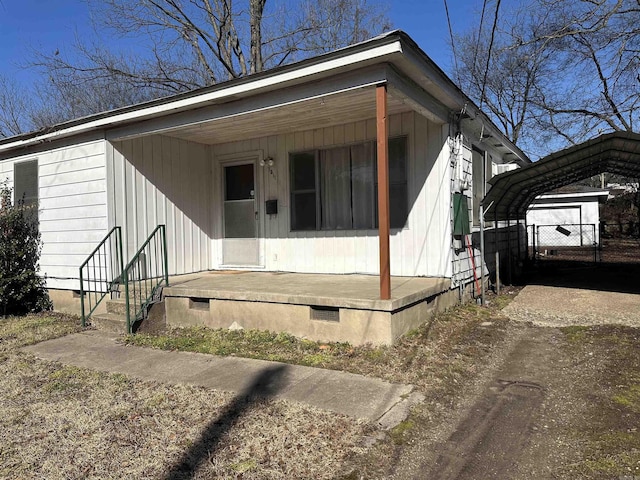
column 21, row 289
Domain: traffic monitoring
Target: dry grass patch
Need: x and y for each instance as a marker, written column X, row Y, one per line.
column 16, row 332
column 62, row 422
column 610, row 434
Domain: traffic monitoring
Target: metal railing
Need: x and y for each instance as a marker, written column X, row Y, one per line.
column 101, row 272
column 145, row 275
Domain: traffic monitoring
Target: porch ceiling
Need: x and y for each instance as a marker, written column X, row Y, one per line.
column 320, row 112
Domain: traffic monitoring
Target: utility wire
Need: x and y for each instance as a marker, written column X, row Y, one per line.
column 486, row 69
column 453, row 44
column 475, row 52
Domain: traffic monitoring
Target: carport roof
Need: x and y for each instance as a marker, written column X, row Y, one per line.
column 511, row 193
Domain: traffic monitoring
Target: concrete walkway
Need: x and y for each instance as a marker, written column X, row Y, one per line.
column 357, row 396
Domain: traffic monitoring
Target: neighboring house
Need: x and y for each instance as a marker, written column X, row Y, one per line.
column 274, row 172
column 616, row 189
column 573, row 208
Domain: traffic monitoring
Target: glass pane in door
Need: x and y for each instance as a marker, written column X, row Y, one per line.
column 239, row 202
column 240, row 245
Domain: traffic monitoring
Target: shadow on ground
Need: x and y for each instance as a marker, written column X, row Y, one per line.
column 608, row 277
column 263, row 387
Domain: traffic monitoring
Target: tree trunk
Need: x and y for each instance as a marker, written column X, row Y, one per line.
column 256, row 8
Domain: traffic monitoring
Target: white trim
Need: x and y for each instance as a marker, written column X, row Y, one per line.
column 570, row 195
column 211, row 97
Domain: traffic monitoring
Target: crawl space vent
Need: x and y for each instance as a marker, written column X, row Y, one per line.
column 199, row 303
column 328, row 314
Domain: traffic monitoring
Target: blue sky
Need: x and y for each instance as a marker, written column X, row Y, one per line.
column 48, row 25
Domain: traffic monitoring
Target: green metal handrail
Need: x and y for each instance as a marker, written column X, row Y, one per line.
column 104, row 267
column 144, row 276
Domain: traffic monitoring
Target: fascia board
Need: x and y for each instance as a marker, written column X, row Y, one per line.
column 455, row 98
column 416, row 97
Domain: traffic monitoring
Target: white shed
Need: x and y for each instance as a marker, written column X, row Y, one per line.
column 574, row 209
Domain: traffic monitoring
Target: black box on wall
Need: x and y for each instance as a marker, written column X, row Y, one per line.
column 271, row 207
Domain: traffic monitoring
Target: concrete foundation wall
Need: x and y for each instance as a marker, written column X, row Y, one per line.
column 356, row 326
column 68, row 301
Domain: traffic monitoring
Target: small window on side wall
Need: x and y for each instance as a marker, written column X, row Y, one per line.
column 25, row 184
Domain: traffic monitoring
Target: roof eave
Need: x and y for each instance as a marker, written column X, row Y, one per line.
column 376, row 48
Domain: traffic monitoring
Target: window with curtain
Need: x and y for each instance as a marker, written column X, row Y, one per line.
column 336, row 188
column 25, row 184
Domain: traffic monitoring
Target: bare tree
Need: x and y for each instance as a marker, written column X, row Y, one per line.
column 171, row 46
column 15, row 107
column 504, row 80
column 566, row 69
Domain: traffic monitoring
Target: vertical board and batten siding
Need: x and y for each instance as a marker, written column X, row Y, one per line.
column 494, row 239
column 163, row 180
column 422, row 248
column 72, row 191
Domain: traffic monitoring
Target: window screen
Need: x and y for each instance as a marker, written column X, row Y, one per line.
column 478, row 187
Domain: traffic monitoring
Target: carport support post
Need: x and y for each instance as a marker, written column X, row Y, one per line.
column 497, row 272
column 482, row 254
column 382, row 131
column 509, row 248
column 526, row 238
column 496, row 244
column 518, row 237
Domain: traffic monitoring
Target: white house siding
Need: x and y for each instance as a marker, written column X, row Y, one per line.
column 72, row 191
column 163, row 180
column 420, row 249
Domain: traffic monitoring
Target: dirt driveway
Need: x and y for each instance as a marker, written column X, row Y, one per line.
column 561, row 399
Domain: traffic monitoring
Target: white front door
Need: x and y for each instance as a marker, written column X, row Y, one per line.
column 240, row 226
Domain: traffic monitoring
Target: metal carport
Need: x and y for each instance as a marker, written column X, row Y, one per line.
column 511, row 193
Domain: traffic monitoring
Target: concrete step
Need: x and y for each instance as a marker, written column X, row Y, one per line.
column 109, row 322
column 140, row 290
column 117, row 306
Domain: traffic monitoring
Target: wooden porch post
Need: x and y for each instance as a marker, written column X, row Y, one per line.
column 383, row 191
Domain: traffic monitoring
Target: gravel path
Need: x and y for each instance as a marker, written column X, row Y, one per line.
column 561, row 306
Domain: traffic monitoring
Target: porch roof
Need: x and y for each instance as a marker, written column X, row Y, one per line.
column 290, row 97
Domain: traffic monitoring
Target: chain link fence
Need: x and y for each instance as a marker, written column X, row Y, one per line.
column 570, row 242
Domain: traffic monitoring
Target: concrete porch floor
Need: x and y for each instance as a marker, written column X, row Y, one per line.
column 343, row 291
column 341, row 308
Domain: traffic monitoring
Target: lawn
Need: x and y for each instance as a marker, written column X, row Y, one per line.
column 61, row 422
column 66, row 422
